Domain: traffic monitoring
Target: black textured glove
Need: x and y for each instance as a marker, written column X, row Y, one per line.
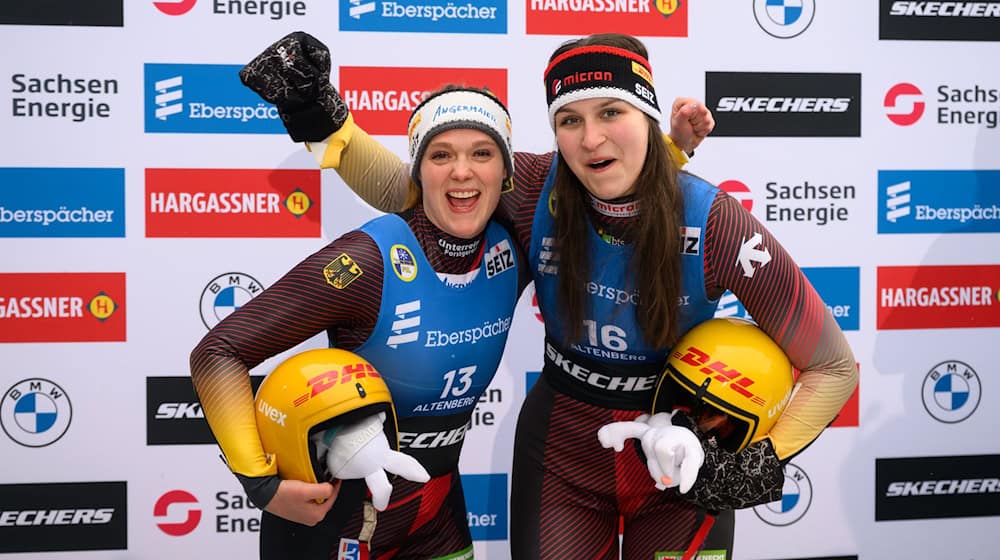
column 294, row 75
column 730, row 480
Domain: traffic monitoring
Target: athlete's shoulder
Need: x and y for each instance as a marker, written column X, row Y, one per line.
column 691, row 181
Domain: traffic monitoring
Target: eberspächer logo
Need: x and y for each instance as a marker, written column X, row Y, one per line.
column 951, row 391
column 424, row 16
column 939, row 201
column 204, row 98
column 35, row 412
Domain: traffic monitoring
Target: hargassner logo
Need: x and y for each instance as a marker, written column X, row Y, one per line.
column 381, row 99
column 62, row 307
column 35, row 412
column 784, row 19
column 939, row 201
column 656, row 18
column 232, row 203
column 94, row 13
column 405, row 326
column 486, row 500
column 937, row 487
column 63, row 516
column 424, row 16
column 54, row 202
column 784, row 104
column 796, row 497
column 938, row 297
column 945, row 21
column 173, row 412
column 951, row 391
column 204, row 98
column 904, row 104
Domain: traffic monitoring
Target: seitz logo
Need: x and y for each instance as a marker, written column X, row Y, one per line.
column 204, row 98
column 937, row 487
column 63, row 516
column 424, row 16
column 382, row 98
column 772, row 104
column 653, row 18
column 93, row 13
column 939, row 21
column 938, row 297
column 939, row 201
column 173, row 411
column 62, row 202
column 233, row 203
column 62, row 307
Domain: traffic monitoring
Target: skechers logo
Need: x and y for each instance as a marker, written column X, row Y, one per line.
column 784, row 104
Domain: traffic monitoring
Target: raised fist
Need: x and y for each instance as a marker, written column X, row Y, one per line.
column 294, row 75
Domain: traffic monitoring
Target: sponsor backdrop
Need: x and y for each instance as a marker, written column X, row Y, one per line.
column 145, row 194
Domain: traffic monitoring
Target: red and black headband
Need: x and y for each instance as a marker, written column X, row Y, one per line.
column 600, row 71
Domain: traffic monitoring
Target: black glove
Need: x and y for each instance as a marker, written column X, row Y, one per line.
column 294, row 75
column 730, row 480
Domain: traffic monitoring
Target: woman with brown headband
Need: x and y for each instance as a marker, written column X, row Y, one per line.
column 628, row 253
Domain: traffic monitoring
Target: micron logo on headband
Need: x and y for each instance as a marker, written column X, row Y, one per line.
column 600, row 71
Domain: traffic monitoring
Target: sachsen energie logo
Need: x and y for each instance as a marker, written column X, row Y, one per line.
column 382, row 98
column 955, row 105
column 938, row 297
column 54, row 202
column 204, row 98
column 646, row 18
column 62, row 307
column 941, row 201
column 424, row 16
column 232, row 203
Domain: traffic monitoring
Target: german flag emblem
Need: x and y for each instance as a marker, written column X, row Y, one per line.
column 341, row 271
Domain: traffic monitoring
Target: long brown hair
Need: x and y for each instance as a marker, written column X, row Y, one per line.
column 655, row 266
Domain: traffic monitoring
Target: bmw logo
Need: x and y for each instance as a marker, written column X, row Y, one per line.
column 35, row 412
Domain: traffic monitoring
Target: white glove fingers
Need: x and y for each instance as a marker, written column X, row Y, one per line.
column 378, row 485
column 406, row 467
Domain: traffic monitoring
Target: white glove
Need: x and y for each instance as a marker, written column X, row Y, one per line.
column 673, row 454
column 361, row 450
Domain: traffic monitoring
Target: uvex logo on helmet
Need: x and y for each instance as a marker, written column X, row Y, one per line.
column 720, row 372
column 330, row 378
column 579, row 78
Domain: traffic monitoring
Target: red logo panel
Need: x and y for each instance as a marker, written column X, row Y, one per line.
column 938, row 297
column 644, row 18
column 62, row 307
column 381, row 99
column 233, row 203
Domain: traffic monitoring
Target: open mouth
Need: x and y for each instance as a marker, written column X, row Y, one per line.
column 463, row 199
column 600, row 164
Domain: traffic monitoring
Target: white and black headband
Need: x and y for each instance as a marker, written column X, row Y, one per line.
column 459, row 108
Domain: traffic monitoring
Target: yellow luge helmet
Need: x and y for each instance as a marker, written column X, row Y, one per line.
column 312, row 391
column 733, row 366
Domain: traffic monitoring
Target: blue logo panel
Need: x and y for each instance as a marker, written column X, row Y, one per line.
column 486, row 500
column 204, row 98
column 959, row 201
column 840, row 289
column 62, row 202
column 424, row 16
